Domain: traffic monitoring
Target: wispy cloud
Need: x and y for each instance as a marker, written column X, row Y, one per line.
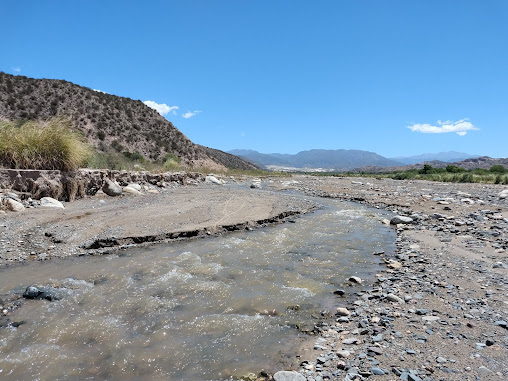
column 190, row 114
column 16, row 69
column 460, row 127
column 100, row 91
column 161, row 108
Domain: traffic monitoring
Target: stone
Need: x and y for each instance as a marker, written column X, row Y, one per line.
column 285, row 375
column 343, row 353
column 13, row 205
column 401, row 220
column 430, row 318
column 349, row 341
column 377, row 371
column 482, row 371
column 394, row 298
column 49, row 202
column 135, row 186
column 213, row 180
column 132, row 191
column 341, row 311
column 503, row 194
column 355, row 279
column 32, row 292
column 111, row 188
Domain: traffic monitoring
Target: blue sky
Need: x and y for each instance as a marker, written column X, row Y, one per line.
column 393, row 77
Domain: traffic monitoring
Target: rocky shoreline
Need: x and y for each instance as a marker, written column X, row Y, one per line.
column 438, row 312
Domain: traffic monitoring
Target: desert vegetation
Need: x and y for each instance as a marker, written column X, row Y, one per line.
column 497, row 174
column 42, row 145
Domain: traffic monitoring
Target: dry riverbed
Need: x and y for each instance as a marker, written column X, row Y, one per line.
column 438, row 312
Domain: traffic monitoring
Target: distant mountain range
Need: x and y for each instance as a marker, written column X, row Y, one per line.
column 317, row 159
column 320, row 160
column 448, row 157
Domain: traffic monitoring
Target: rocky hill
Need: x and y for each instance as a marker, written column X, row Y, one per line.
column 108, row 121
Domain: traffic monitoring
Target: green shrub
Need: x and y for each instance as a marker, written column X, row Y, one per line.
column 42, row 145
column 498, row 169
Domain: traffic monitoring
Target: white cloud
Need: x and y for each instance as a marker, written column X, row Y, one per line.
column 161, row 108
column 461, row 127
column 16, row 69
column 190, row 114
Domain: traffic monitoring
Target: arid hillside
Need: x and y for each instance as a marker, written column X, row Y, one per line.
column 108, row 121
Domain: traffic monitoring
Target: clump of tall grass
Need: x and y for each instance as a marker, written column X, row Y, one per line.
column 51, row 144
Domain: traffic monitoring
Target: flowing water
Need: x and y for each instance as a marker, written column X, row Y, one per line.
column 203, row 309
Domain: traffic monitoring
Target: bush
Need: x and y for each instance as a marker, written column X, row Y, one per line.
column 42, row 145
column 498, row 169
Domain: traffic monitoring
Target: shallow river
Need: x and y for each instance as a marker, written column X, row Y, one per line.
column 203, row 309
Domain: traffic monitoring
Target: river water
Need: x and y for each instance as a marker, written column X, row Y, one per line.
column 203, row 309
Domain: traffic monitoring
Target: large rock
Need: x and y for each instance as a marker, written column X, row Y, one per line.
column 212, row 179
column 503, row 194
column 49, row 202
column 111, row 188
column 286, row 375
column 13, row 205
column 401, row 220
column 135, row 186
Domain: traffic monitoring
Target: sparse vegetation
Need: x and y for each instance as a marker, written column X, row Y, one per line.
column 42, row 145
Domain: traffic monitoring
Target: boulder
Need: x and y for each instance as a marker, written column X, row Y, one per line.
column 111, row 188
column 401, row 220
column 49, row 202
column 13, row 206
column 212, row 179
column 503, row 194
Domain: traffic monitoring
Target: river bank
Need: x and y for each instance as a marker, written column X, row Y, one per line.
column 438, row 312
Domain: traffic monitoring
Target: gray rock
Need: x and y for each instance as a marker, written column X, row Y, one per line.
column 394, row 298
column 128, row 189
column 482, row 371
column 377, row 371
column 503, row 194
column 401, row 220
column 355, row 279
column 49, row 202
column 285, row 375
column 32, row 292
column 111, row 188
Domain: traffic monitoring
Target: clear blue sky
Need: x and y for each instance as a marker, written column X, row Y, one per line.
column 285, row 76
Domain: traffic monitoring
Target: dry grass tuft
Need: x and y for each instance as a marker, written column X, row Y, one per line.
column 42, row 145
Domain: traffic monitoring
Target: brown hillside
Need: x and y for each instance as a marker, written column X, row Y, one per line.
column 108, row 121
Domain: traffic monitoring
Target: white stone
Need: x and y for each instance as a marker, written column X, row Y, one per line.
column 128, row 189
column 135, row 186
column 355, row 279
column 288, row 375
column 503, row 194
column 343, row 311
column 13, row 205
column 212, row 179
column 49, row 202
column 401, row 220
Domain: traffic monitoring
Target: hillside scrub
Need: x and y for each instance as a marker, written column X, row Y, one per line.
column 51, row 144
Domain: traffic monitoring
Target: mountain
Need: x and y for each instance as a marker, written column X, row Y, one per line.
column 448, row 157
column 338, row 160
column 108, row 121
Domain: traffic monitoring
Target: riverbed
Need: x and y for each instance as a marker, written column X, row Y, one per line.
column 209, row 308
